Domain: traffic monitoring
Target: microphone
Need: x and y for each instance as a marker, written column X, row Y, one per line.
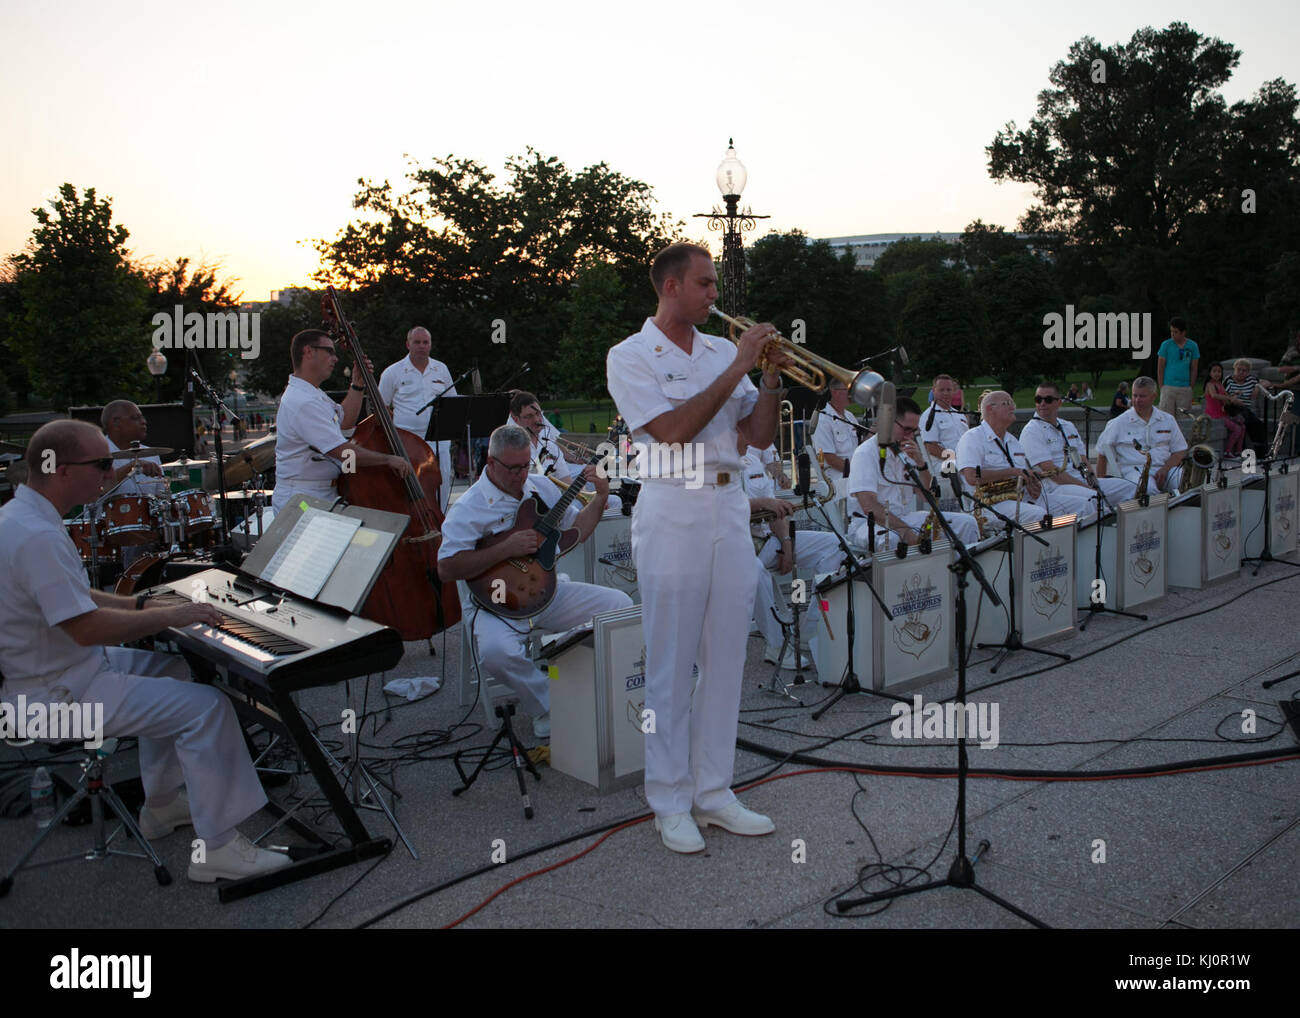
column 902, row 355
column 1074, row 456
column 929, row 421
column 885, row 419
column 811, row 429
column 956, row 487
column 804, row 467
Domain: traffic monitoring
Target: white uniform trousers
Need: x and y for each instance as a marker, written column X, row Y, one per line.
column 1134, row 474
column 963, row 525
column 814, row 549
column 501, row 641
column 1116, row 490
column 696, row 569
column 443, row 449
column 1061, row 499
column 189, row 735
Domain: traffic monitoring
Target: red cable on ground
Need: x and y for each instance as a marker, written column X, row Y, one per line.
column 848, row 769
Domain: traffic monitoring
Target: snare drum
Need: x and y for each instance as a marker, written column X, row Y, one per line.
column 195, row 507
column 129, row 521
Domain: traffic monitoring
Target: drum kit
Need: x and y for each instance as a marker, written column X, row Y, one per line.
column 121, row 528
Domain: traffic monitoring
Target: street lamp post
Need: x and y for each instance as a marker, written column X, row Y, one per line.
column 731, row 177
column 157, row 364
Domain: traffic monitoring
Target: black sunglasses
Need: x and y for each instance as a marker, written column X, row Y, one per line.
column 103, row 464
column 1046, row 399
column 328, row 349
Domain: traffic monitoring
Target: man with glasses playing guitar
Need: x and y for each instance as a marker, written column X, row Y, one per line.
column 499, row 503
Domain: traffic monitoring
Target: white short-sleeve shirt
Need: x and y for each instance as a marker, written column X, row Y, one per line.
column 891, row 485
column 307, row 427
column 1044, row 443
column 1160, row 435
column 981, row 447
column 485, row 509
column 649, row 375
column 836, row 434
column 406, row 389
column 42, row 583
column 947, row 428
column 757, row 481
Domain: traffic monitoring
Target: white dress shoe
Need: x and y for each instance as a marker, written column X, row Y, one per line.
column 772, row 652
column 680, row 833
column 159, row 822
column 736, row 819
column 237, row 858
column 542, row 726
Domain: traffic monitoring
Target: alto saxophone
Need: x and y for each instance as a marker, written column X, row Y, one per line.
column 1200, row 456
column 1146, row 473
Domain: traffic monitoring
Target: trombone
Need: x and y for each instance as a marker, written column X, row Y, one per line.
column 810, row 370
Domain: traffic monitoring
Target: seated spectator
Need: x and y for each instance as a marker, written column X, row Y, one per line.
column 1074, row 391
column 1239, row 396
column 1120, row 403
column 1234, row 423
column 1087, row 393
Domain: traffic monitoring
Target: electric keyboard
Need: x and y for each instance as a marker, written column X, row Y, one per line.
column 282, row 642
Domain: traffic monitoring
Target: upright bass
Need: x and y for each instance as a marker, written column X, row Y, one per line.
column 408, row 596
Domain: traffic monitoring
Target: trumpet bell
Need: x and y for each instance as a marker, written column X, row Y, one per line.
column 866, row 387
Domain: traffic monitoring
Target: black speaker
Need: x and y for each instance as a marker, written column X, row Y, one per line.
column 169, row 425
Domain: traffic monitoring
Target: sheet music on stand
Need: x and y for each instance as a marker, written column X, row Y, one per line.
column 306, row 558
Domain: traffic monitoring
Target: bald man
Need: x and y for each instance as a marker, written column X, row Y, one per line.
column 123, row 422
column 408, row 385
column 55, row 648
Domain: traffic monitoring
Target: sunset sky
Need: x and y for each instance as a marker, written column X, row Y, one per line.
column 236, row 133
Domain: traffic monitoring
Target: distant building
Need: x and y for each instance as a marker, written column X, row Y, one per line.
column 284, row 298
column 868, row 247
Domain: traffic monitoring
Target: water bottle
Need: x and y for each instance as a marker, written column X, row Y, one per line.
column 42, row 797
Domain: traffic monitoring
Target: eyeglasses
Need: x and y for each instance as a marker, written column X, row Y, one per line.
column 104, row 464
column 328, row 349
column 522, row 468
column 1047, row 399
column 906, row 430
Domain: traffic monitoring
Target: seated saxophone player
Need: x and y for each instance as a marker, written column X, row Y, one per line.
column 1143, row 428
column 992, row 462
column 880, row 486
column 816, row 549
column 1054, row 447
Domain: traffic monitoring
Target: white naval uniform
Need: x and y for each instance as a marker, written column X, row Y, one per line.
column 837, row 435
column 893, row 489
column 188, row 733
column 484, row 510
column 695, row 568
column 1160, row 435
column 307, row 427
column 1044, row 443
column 405, row 388
column 981, row 447
column 946, row 430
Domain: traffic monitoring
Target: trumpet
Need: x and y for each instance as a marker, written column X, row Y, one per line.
column 810, row 370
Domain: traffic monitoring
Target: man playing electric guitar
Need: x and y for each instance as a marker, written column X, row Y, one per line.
column 489, row 508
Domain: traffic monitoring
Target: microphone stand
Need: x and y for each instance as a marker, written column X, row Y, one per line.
column 1012, row 643
column 961, row 873
column 1099, row 607
column 1087, row 420
column 1267, row 554
column 223, row 551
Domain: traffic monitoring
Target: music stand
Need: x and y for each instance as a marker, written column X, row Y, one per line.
column 457, row 417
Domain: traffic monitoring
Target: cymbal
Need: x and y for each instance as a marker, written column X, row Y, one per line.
column 255, row 458
column 142, row 452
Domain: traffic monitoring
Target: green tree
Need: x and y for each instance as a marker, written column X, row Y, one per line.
column 908, row 253
column 1015, row 292
column 468, row 257
column 981, row 244
column 193, row 289
column 942, row 324
column 596, row 316
column 81, row 333
column 1140, row 168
